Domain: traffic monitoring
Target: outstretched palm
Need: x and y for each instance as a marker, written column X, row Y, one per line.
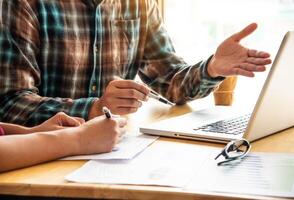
column 231, row 58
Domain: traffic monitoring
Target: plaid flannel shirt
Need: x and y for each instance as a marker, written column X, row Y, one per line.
column 59, row 55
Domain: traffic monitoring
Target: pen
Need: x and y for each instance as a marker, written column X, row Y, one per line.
column 157, row 96
column 108, row 115
column 106, row 112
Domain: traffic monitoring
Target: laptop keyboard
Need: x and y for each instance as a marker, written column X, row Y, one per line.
column 233, row 126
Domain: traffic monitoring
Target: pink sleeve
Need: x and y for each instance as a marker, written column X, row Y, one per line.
column 1, row 131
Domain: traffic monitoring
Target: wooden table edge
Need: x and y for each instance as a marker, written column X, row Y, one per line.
column 94, row 191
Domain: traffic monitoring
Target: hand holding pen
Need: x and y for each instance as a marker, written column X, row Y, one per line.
column 107, row 112
column 100, row 134
column 126, row 96
column 109, row 115
column 160, row 98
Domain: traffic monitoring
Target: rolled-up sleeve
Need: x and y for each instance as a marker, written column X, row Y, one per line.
column 166, row 72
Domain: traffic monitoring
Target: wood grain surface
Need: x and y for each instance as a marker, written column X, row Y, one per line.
column 48, row 179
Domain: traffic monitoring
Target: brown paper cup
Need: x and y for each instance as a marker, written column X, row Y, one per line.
column 224, row 94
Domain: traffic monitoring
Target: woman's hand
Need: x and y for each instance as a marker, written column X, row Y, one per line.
column 58, row 121
column 100, row 134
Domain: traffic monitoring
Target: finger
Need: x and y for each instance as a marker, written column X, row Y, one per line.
column 65, row 120
column 130, row 84
column 242, row 72
column 258, row 54
column 130, row 94
column 122, row 133
column 133, row 103
column 118, row 137
column 251, row 67
column 244, row 33
column 117, row 140
column 57, row 127
column 116, row 116
column 121, row 122
column 81, row 120
column 258, row 61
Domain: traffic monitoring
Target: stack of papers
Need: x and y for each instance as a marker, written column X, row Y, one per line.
column 163, row 164
column 193, row 168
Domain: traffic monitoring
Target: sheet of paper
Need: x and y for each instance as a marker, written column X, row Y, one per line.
column 193, row 168
column 269, row 174
column 128, row 148
column 163, row 163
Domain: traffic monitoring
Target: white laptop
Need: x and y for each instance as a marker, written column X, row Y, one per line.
column 273, row 111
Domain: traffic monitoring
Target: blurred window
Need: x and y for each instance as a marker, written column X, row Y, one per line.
column 197, row 27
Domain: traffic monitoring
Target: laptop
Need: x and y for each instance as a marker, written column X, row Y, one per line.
column 273, row 111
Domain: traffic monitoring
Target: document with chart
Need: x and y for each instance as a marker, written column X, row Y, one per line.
column 193, row 168
column 163, row 164
column 267, row 174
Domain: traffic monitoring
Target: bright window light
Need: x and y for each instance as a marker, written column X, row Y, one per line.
column 197, row 27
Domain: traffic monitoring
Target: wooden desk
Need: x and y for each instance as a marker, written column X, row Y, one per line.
column 48, row 179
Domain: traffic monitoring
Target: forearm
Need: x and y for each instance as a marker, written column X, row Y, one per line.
column 10, row 129
column 192, row 82
column 166, row 72
column 17, row 151
column 32, row 109
column 178, row 81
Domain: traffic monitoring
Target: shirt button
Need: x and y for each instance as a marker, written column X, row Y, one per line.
column 94, row 88
column 96, row 49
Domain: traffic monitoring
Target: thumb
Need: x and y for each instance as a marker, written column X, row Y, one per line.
column 66, row 120
column 80, row 120
column 245, row 32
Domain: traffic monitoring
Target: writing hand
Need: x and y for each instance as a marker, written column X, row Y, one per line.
column 99, row 135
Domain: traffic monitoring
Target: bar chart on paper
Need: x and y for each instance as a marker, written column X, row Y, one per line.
column 258, row 173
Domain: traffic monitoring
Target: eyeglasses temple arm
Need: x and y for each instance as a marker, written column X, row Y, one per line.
column 221, row 153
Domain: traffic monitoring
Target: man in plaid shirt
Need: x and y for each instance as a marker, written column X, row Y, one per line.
column 76, row 56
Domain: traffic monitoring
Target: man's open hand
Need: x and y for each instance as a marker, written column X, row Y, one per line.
column 231, row 58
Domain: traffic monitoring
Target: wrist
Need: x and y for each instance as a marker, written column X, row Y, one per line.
column 211, row 69
column 69, row 139
column 96, row 109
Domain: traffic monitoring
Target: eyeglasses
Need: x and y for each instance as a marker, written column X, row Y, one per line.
column 236, row 149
